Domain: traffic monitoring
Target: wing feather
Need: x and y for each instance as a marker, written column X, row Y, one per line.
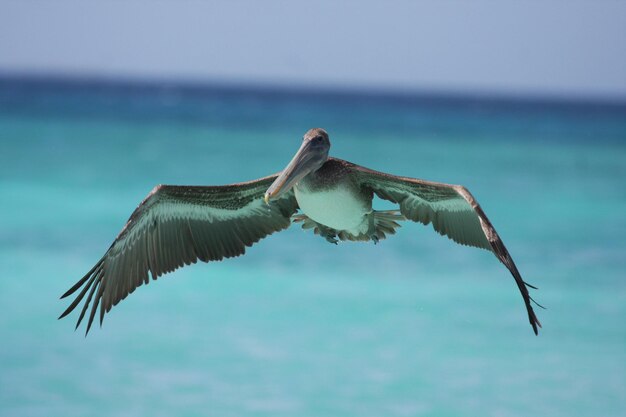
column 175, row 226
column 452, row 211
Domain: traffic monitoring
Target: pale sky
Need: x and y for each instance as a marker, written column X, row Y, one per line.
column 523, row 47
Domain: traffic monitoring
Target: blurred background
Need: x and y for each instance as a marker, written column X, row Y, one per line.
column 523, row 103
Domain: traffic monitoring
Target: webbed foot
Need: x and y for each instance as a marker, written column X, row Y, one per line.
column 331, row 239
column 329, row 234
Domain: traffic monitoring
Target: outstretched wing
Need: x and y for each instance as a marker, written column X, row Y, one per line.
column 452, row 211
column 175, row 226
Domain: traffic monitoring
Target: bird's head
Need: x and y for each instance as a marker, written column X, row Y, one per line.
column 310, row 157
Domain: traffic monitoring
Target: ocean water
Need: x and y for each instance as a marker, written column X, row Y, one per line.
column 413, row 326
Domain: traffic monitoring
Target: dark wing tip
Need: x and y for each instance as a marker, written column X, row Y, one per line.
column 66, row 312
column 534, row 321
column 81, row 281
column 532, row 317
column 530, row 286
column 91, row 281
column 504, row 256
column 536, row 303
column 528, row 299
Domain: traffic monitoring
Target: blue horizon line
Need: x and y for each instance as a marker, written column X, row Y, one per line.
column 212, row 85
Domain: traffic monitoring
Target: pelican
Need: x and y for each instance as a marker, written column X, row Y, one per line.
column 178, row 225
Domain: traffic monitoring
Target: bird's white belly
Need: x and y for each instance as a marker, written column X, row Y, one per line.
column 337, row 208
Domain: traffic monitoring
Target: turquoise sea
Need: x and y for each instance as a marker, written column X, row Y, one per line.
column 413, row 326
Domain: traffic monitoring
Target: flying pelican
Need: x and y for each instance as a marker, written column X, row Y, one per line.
column 177, row 225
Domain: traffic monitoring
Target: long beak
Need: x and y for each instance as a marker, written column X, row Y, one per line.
column 303, row 162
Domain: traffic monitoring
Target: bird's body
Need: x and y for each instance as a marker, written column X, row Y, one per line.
column 178, row 225
column 330, row 198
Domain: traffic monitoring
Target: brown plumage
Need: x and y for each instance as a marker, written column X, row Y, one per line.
column 179, row 225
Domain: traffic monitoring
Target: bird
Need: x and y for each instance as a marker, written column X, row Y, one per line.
column 178, row 225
